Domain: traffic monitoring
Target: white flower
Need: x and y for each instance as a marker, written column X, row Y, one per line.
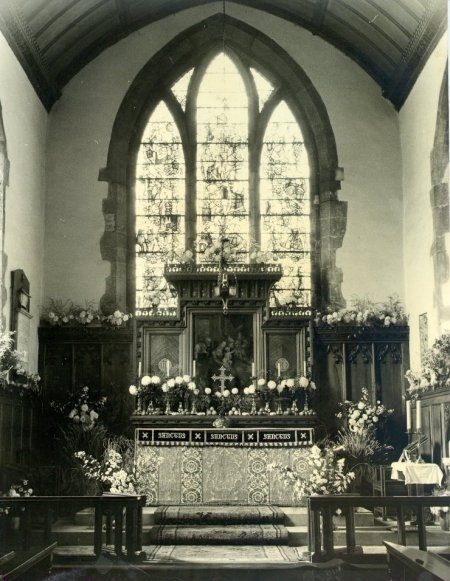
column 290, row 383
column 146, row 380
column 94, row 415
column 271, row 384
column 171, row 382
column 226, row 393
column 191, row 385
column 261, row 382
column 235, row 391
column 155, row 379
column 251, row 389
column 178, row 379
column 246, row 391
column 207, row 390
column 84, row 408
column 133, row 390
column 186, row 378
column 303, row 382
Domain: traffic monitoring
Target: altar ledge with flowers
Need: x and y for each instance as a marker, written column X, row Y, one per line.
column 218, row 446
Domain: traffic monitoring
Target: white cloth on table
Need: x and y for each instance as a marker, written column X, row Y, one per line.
column 417, row 472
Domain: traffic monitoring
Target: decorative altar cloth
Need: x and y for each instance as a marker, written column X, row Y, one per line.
column 417, row 472
column 273, row 437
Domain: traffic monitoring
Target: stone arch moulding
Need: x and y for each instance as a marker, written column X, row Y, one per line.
column 4, row 180
column 148, row 87
column 440, row 206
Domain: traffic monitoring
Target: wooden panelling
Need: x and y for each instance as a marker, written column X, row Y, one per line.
column 347, row 359
column 435, row 424
column 17, row 435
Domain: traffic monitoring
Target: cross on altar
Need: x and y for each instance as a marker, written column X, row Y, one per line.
column 222, row 378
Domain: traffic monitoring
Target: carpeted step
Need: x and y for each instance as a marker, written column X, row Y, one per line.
column 223, row 515
column 249, row 534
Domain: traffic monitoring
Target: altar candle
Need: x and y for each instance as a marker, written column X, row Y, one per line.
column 418, row 415
column 167, row 368
column 304, row 368
column 193, row 368
column 253, row 369
column 408, row 414
column 279, row 369
column 139, row 368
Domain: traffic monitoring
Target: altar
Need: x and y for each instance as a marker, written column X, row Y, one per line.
column 190, row 462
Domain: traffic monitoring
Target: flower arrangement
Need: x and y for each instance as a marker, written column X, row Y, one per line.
column 325, row 474
column 357, row 441
column 12, row 366
column 366, row 313
column 22, row 488
column 61, row 313
column 362, row 416
column 115, row 469
column 152, row 394
column 181, row 395
column 435, row 370
column 81, row 408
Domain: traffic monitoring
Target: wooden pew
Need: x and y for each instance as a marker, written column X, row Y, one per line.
column 30, row 565
column 413, row 564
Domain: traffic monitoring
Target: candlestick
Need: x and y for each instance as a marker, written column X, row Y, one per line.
column 139, row 369
column 193, row 368
column 408, row 414
column 418, row 415
column 279, row 369
column 304, row 368
column 253, row 369
column 167, row 368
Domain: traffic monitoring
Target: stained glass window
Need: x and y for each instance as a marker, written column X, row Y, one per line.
column 222, row 157
column 285, row 205
column 261, row 202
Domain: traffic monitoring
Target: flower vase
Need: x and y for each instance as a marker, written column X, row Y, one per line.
column 180, row 408
column 253, row 410
column 150, row 409
column 294, row 408
column 306, row 405
column 279, row 408
column 194, row 408
column 138, row 406
column 168, row 410
column 267, row 408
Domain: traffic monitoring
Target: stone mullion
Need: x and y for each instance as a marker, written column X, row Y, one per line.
column 333, row 223
column 114, row 248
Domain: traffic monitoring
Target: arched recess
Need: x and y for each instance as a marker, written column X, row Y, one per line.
column 439, row 199
column 4, row 177
column 149, row 86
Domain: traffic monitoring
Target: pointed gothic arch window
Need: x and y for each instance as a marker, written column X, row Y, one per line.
column 222, row 154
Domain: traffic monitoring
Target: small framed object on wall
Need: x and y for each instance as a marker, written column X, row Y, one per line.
column 20, row 312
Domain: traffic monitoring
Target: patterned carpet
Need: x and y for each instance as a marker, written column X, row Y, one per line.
column 208, row 554
column 217, row 535
column 205, row 515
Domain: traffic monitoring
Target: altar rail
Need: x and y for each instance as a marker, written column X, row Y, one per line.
column 39, row 512
column 321, row 541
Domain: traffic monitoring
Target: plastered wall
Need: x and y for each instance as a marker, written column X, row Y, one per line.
column 366, row 131
column 25, row 125
column 417, row 129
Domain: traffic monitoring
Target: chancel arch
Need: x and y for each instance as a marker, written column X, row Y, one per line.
column 153, row 84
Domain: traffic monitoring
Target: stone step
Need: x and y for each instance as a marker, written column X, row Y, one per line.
column 294, row 516
column 371, row 536
column 248, row 534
